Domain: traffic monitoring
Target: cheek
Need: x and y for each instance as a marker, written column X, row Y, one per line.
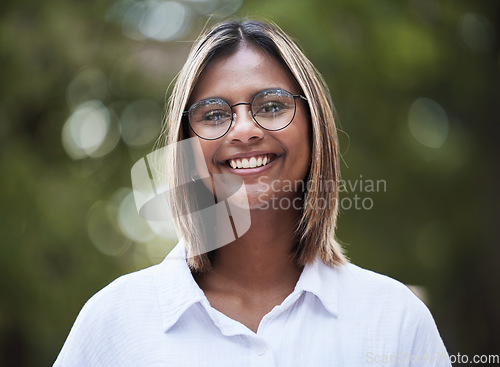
column 303, row 141
column 304, row 160
column 297, row 142
column 201, row 167
column 199, row 156
column 208, row 150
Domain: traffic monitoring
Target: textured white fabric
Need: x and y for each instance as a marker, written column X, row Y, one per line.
column 344, row 316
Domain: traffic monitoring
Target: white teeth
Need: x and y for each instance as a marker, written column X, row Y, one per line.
column 253, row 162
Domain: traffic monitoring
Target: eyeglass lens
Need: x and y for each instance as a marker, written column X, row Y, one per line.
column 272, row 109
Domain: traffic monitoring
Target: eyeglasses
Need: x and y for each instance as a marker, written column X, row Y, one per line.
column 271, row 109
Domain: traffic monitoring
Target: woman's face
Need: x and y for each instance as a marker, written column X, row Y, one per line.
column 238, row 78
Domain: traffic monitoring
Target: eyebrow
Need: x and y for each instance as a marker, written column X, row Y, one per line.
column 251, row 98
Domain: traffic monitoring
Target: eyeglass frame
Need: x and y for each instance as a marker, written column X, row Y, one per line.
column 295, row 96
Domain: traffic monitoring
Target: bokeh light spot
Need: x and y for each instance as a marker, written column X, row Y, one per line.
column 428, row 122
column 477, row 33
column 87, row 130
column 130, row 223
column 163, row 20
column 163, row 229
column 131, row 18
column 101, row 232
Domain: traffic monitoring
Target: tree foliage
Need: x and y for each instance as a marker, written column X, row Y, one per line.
column 415, row 84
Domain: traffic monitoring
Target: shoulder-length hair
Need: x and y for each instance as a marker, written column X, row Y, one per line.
column 316, row 227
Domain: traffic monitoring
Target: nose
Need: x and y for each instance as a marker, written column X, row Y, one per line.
column 244, row 129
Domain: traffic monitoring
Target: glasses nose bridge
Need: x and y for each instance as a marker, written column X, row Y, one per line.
column 233, row 113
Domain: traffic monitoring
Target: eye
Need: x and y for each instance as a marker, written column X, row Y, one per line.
column 270, row 108
column 214, row 117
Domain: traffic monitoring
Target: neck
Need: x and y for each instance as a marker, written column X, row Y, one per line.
column 261, row 261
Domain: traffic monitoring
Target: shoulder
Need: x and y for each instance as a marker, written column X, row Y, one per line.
column 380, row 299
column 127, row 289
column 362, row 284
column 121, row 308
column 120, row 303
column 384, row 308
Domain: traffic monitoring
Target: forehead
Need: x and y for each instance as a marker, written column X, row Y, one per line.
column 239, row 76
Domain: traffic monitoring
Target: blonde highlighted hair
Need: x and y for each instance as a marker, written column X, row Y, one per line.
column 315, row 229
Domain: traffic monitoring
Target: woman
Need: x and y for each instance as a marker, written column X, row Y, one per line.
column 281, row 292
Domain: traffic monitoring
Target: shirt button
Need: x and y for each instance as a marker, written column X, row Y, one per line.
column 261, row 349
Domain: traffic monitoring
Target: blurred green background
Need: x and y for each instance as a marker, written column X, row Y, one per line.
column 416, row 87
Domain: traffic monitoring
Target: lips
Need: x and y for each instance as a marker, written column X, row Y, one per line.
column 258, row 160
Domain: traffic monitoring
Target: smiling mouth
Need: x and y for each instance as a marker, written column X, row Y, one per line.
column 251, row 162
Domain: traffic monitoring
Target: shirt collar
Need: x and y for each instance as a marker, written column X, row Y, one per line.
column 322, row 281
column 178, row 291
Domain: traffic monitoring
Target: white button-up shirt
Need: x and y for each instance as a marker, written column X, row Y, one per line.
column 342, row 316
